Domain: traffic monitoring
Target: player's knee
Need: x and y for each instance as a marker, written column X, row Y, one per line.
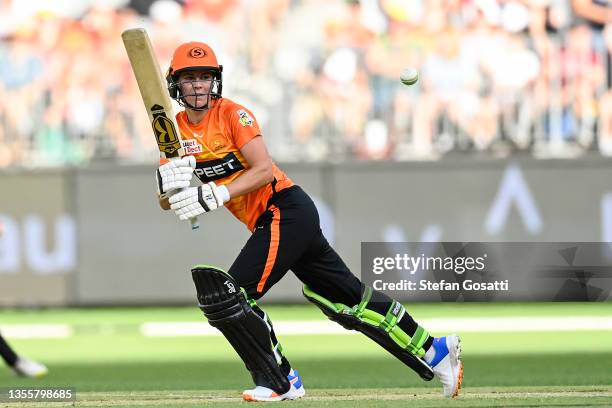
column 375, row 310
column 248, row 287
column 219, row 296
column 367, row 309
column 336, row 312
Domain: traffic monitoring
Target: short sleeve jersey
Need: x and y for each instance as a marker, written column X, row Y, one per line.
column 215, row 142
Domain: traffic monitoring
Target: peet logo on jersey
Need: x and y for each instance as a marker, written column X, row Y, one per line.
column 245, row 119
column 211, row 170
column 192, row 147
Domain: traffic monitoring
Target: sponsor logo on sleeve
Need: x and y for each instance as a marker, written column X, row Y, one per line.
column 245, row 119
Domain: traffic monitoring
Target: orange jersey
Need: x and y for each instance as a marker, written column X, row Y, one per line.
column 215, row 142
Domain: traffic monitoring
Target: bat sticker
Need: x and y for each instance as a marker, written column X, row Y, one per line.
column 164, row 130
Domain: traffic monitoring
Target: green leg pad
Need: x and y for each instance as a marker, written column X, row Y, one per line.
column 382, row 329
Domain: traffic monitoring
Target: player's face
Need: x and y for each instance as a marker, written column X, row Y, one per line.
column 195, row 87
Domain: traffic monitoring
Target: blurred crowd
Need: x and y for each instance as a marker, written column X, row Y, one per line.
column 321, row 76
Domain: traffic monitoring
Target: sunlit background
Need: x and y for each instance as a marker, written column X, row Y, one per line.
column 496, row 77
column 506, row 137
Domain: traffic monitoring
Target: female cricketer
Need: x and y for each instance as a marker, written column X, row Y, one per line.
column 227, row 153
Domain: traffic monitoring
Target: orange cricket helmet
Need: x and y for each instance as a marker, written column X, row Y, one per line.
column 193, row 55
column 196, row 56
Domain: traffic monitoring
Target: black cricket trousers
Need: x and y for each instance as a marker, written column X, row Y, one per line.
column 288, row 236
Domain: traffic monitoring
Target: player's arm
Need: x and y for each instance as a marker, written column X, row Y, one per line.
column 260, row 169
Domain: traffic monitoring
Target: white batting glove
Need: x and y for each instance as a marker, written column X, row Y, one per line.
column 174, row 175
column 197, row 200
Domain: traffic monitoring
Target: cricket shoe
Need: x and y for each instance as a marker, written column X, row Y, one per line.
column 29, row 368
column 264, row 394
column 446, row 364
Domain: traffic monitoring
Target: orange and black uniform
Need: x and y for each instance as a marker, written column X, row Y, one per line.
column 284, row 221
column 216, row 142
column 282, row 218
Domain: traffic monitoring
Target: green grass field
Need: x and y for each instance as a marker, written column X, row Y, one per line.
column 110, row 363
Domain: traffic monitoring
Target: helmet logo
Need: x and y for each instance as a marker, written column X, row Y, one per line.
column 197, row 52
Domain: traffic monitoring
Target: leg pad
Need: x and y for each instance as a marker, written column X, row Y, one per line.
column 227, row 308
column 382, row 329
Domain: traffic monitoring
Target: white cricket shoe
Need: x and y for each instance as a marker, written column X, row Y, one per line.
column 29, row 368
column 446, row 364
column 264, row 394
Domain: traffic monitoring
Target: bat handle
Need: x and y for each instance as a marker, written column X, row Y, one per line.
column 194, row 223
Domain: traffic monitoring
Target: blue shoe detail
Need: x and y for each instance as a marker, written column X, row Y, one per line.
column 294, row 379
column 439, row 345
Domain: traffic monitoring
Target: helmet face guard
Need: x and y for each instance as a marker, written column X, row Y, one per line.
column 202, row 100
column 194, row 56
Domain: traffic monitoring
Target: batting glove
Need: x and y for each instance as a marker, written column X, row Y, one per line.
column 197, row 200
column 174, row 175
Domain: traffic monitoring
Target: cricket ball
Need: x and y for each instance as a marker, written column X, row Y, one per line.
column 409, row 76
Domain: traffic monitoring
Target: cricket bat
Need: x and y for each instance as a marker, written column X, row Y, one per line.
column 155, row 95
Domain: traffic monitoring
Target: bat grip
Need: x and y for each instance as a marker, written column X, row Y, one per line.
column 194, row 223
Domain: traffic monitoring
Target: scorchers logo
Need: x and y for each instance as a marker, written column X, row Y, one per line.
column 211, row 170
column 197, row 52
